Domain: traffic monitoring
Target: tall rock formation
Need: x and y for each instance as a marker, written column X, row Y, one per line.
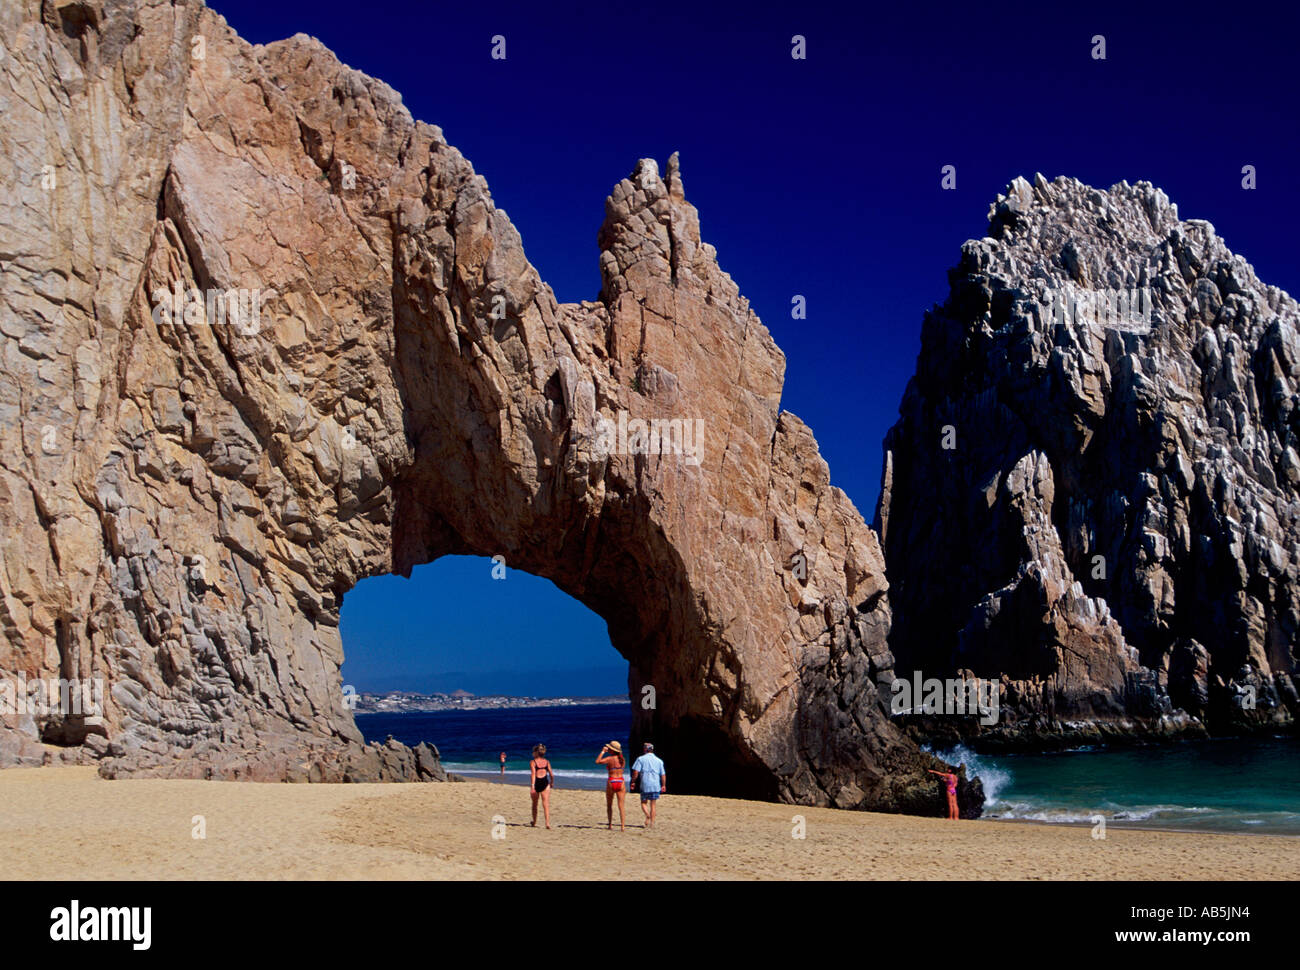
column 187, row 500
column 1096, row 504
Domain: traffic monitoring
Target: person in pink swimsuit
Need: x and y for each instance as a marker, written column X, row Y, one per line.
column 952, row 790
column 611, row 756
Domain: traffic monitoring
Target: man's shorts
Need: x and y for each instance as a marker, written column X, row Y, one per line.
column 650, row 796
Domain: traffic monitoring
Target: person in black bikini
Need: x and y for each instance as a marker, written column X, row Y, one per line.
column 542, row 778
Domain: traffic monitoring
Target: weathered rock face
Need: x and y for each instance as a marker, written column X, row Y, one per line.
column 1104, row 516
column 186, row 500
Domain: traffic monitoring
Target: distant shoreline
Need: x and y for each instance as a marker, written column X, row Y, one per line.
column 406, row 702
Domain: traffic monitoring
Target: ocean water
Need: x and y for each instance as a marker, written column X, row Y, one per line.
column 471, row 742
column 1230, row 785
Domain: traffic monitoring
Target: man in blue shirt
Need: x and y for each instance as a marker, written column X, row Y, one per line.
column 651, row 779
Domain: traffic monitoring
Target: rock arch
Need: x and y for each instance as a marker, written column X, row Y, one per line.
column 411, row 389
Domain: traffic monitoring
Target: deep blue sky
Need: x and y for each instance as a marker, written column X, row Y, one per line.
column 817, row 177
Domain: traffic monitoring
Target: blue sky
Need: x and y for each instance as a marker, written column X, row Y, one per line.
column 452, row 626
column 818, row 177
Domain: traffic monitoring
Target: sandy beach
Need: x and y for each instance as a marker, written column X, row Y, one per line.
column 67, row 823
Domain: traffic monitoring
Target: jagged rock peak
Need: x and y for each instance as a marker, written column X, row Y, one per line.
column 1104, row 428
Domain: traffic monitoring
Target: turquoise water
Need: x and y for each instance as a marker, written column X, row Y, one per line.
column 1230, row 785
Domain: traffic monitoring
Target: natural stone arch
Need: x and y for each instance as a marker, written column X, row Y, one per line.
column 413, row 390
column 618, row 532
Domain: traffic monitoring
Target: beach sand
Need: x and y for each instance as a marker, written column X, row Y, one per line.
column 67, row 823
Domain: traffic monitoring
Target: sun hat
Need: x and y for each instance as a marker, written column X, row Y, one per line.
column 615, row 746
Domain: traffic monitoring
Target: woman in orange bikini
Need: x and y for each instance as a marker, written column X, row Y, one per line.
column 611, row 756
column 542, row 777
